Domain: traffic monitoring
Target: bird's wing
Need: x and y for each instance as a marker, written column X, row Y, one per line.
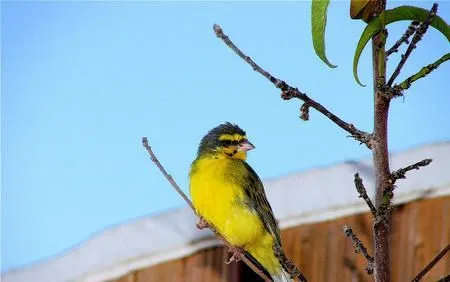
column 257, row 200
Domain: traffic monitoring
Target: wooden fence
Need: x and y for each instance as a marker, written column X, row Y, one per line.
column 420, row 230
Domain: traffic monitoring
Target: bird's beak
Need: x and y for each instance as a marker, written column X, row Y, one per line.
column 246, row 146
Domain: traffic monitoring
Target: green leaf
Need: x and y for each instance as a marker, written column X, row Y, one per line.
column 318, row 23
column 401, row 13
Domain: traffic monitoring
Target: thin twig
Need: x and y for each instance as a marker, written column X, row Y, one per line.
column 363, row 194
column 401, row 173
column 398, row 89
column 431, row 264
column 164, row 172
column 359, row 248
column 289, row 92
column 186, row 199
column 385, row 208
column 416, row 38
column 404, row 39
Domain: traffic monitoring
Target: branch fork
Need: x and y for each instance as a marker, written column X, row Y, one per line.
column 398, row 89
column 385, row 208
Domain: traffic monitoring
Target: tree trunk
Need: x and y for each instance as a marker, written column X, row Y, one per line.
column 382, row 269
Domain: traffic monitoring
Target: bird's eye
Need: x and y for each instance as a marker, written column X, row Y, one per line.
column 226, row 143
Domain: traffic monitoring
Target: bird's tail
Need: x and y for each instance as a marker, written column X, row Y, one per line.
column 282, row 277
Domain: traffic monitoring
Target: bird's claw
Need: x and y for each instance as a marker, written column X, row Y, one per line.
column 237, row 255
column 201, row 223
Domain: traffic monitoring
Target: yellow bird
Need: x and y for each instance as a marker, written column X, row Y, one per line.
column 228, row 194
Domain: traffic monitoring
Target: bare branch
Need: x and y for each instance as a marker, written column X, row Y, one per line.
column 398, row 89
column 431, row 264
column 359, row 248
column 202, row 223
column 401, row 173
column 416, row 38
column 363, row 194
column 404, row 39
column 164, row 172
column 289, row 92
column 384, row 209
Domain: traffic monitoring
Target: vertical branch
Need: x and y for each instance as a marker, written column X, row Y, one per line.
column 382, row 259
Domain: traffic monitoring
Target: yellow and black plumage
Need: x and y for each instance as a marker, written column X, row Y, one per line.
column 228, row 194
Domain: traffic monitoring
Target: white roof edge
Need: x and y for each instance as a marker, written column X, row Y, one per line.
column 361, row 207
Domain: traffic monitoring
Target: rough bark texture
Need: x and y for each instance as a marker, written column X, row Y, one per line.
column 382, row 174
column 382, row 271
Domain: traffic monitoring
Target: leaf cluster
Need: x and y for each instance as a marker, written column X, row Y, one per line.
column 362, row 10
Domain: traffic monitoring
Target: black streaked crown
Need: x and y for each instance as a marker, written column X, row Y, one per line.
column 211, row 140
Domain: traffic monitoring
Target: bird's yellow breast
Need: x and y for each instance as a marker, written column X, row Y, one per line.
column 217, row 191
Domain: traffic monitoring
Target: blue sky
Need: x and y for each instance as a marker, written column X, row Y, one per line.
column 83, row 82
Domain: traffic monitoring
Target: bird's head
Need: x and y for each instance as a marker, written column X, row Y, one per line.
column 226, row 140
